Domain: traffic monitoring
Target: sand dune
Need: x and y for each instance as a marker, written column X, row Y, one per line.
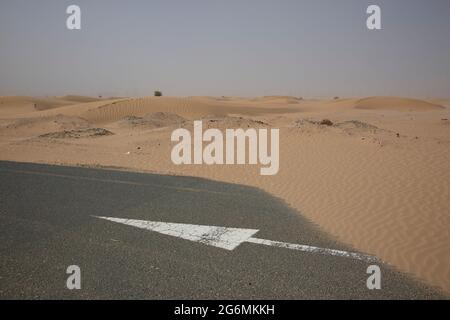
column 79, row 99
column 278, row 99
column 396, row 104
column 193, row 107
column 12, row 106
column 376, row 178
column 140, row 107
column 75, row 109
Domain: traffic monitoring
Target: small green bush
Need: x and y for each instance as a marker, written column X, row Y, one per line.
column 158, row 94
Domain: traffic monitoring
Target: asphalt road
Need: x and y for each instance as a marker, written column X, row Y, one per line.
column 47, row 224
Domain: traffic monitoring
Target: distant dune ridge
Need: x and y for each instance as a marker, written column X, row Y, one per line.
column 108, row 110
column 397, row 104
column 376, row 176
column 79, row 99
column 20, row 104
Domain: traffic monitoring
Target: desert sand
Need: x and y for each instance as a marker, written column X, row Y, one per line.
column 378, row 179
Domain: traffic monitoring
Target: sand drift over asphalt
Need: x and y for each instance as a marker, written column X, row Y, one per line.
column 377, row 177
column 183, row 238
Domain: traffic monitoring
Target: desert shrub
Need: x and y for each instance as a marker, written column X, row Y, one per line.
column 326, row 122
column 158, row 94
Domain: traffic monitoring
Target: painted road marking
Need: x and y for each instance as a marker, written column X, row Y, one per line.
column 305, row 248
column 228, row 238
column 225, row 238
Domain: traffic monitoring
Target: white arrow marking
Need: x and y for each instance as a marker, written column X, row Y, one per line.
column 225, row 238
column 228, row 238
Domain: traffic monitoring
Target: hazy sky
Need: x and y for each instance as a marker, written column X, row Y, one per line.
column 228, row 47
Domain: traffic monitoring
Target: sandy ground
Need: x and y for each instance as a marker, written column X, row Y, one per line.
column 377, row 179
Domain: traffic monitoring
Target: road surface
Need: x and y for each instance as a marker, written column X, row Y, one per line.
column 47, row 223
